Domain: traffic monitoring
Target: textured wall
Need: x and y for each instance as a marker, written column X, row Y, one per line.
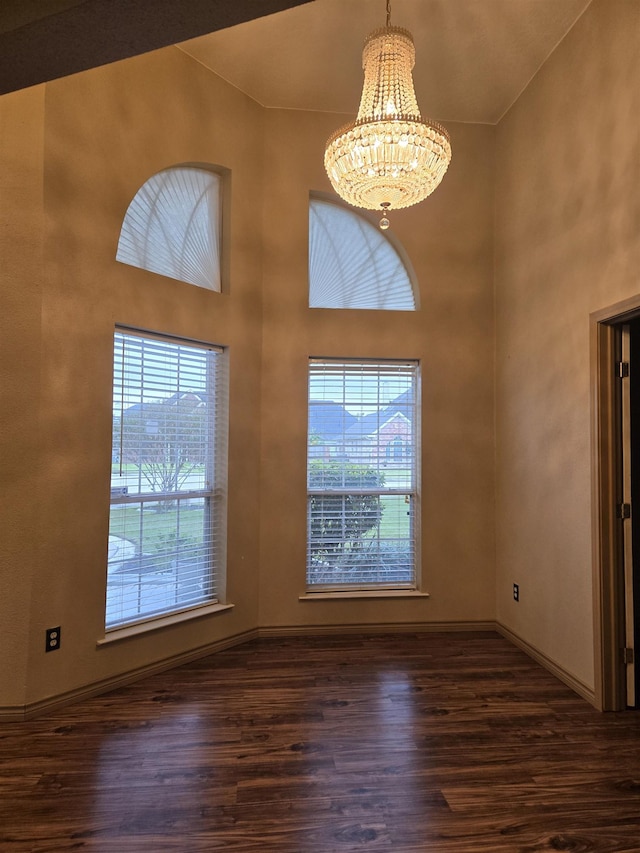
column 21, row 226
column 567, row 243
column 449, row 241
column 106, row 132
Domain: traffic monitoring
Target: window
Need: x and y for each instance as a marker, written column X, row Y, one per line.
column 173, row 226
column 167, row 518
column 352, row 264
column 362, row 468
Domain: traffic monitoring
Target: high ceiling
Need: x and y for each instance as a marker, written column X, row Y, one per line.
column 473, row 57
column 41, row 40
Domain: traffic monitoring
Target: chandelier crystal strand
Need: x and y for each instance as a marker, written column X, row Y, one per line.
column 389, row 157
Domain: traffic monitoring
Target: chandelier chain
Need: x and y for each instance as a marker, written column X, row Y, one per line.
column 388, row 13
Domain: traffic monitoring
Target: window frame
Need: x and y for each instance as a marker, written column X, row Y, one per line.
column 411, row 492
column 211, row 555
column 157, row 231
column 353, row 265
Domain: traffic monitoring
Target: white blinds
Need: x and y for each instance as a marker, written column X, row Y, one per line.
column 173, row 226
column 352, row 264
column 362, row 474
column 167, row 521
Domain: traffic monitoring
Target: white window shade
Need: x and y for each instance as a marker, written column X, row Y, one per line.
column 173, row 226
column 352, row 264
column 167, row 519
column 362, row 474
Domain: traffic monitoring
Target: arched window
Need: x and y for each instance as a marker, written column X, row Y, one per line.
column 173, row 226
column 352, row 264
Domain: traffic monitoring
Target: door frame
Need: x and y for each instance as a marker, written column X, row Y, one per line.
column 606, row 453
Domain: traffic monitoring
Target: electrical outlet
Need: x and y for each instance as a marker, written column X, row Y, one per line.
column 52, row 639
column 516, row 592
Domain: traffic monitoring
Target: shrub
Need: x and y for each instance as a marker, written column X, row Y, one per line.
column 338, row 522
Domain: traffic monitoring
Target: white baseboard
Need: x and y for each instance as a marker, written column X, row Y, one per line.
column 579, row 687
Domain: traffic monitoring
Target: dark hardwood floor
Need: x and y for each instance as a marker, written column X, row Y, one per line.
column 451, row 743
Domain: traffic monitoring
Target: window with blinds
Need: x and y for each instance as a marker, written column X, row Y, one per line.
column 362, row 464
column 167, row 517
column 173, row 226
column 352, row 264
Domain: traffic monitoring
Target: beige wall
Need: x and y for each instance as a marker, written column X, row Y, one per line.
column 106, row 132
column 567, row 220
column 73, row 155
column 449, row 241
column 567, row 244
column 21, row 237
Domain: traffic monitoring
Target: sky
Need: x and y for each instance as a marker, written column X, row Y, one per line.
column 359, row 387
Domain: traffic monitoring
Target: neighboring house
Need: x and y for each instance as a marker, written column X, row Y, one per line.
column 376, row 440
column 381, row 437
column 328, row 422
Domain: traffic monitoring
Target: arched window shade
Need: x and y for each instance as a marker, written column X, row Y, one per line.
column 352, row 264
column 173, row 226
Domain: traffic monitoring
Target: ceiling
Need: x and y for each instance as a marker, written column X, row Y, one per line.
column 473, row 57
column 41, row 40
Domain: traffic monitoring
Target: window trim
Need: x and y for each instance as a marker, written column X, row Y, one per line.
column 355, row 594
column 156, row 623
column 141, row 215
column 215, row 511
column 388, row 238
column 381, row 589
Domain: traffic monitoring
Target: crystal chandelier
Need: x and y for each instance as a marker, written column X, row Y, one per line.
column 389, row 157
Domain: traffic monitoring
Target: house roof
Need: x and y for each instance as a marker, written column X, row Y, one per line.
column 363, row 430
column 329, row 420
column 370, row 424
column 154, row 407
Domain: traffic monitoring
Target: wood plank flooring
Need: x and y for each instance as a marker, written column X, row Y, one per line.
column 450, row 743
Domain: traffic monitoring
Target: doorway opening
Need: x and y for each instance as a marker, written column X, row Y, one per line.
column 616, row 446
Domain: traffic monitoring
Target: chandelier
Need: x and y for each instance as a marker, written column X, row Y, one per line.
column 389, row 157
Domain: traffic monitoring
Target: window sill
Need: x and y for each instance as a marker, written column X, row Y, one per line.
column 162, row 622
column 362, row 594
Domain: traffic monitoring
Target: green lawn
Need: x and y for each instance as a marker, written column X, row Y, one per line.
column 395, row 521
column 160, row 530
column 396, row 477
